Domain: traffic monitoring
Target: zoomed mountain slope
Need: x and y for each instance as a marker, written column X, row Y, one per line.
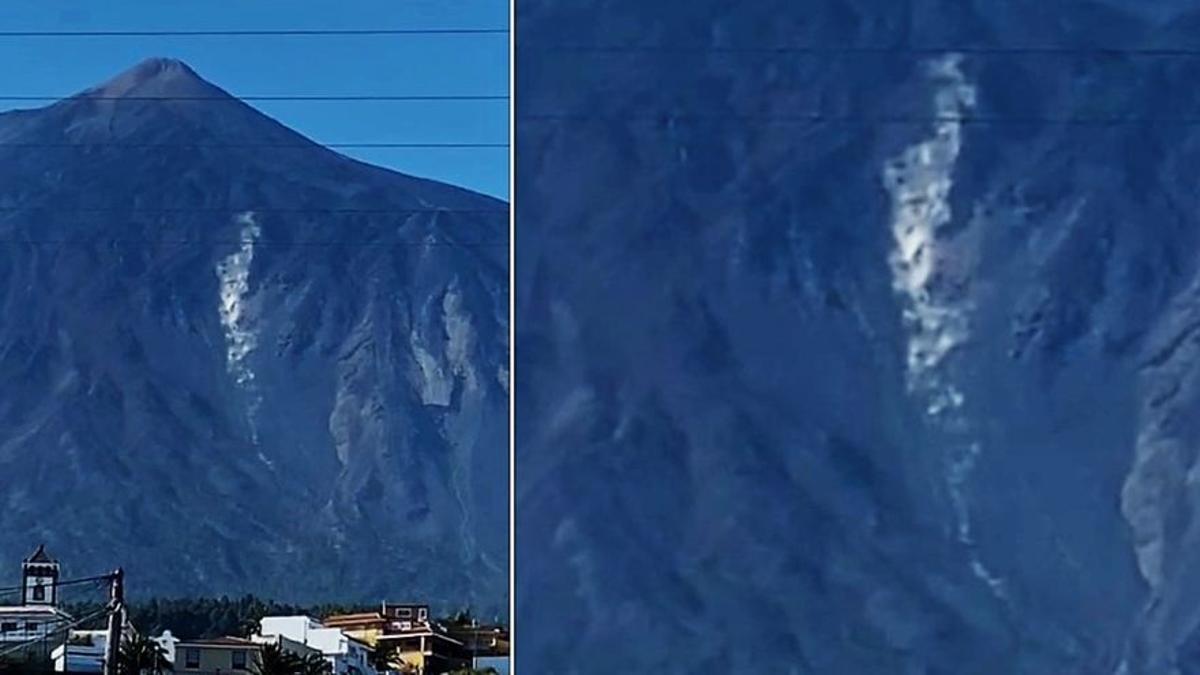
column 862, row 342
column 235, row 361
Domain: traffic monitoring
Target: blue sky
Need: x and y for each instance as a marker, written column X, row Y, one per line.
column 296, row 65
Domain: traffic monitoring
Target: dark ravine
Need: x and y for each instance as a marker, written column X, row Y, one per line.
column 234, row 361
column 889, row 392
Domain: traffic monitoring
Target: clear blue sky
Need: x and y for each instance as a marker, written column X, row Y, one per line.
column 297, row 65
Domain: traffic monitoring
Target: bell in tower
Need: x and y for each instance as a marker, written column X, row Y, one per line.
column 39, row 579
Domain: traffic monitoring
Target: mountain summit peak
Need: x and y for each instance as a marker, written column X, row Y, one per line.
column 158, row 76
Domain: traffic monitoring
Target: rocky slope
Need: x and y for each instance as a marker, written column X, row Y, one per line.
column 906, row 388
column 235, row 361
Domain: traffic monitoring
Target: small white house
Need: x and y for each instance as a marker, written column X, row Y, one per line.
column 347, row 655
column 83, row 652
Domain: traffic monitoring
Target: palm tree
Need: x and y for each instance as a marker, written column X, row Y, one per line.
column 274, row 661
column 140, row 655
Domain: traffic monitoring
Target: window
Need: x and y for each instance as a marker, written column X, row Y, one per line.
column 239, row 660
column 422, row 614
column 39, row 592
column 31, row 626
column 191, row 658
column 8, row 627
column 404, row 613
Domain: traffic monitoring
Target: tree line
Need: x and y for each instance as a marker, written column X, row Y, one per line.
column 203, row 618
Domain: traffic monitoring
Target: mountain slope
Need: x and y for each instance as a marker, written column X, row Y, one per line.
column 236, row 361
column 881, row 392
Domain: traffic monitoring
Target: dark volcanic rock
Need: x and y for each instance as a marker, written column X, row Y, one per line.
column 883, row 392
column 235, row 361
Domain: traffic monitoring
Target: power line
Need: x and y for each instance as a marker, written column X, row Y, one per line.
column 84, row 580
column 897, row 50
column 286, row 32
column 257, row 243
column 820, row 118
column 68, row 582
column 228, row 146
column 256, row 210
column 65, row 618
column 28, row 643
column 300, row 97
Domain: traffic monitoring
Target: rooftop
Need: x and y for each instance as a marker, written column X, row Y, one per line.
column 361, row 643
column 220, row 642
column 421, row 632
column 354, row 618
column 312, row 622
column 40, row 556
column 32, row 609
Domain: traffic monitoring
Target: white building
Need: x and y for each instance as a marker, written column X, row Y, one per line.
column 83, row 652
column 347, row 655
column 37, row 620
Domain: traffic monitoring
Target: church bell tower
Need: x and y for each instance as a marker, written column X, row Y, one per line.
column 39, row 579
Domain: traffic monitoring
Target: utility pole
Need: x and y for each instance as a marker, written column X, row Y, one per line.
column 116, row 620
column 474, row 641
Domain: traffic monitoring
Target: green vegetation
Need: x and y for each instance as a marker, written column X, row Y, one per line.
column 140, row 655
column 275, row 661
column 201, row 618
